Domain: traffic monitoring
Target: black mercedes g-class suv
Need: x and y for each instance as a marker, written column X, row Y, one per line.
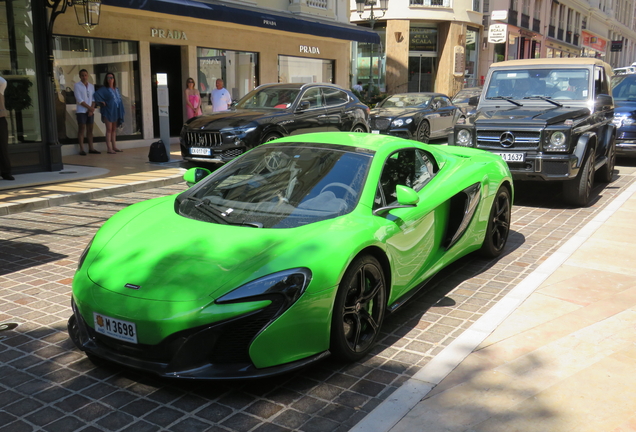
column 550, row 119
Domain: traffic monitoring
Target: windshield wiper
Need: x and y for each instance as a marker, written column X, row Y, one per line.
column 545, row 98
column 203, row 205
column 506, row 98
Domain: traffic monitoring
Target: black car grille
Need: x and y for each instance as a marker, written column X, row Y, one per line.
column 380, row 123
column 232, row 153
column 626, row 135
column 202, row 139
column 491, row 139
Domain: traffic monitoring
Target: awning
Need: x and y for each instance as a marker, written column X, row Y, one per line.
column 254, row 17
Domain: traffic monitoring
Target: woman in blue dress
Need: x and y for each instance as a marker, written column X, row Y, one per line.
column 112, row 110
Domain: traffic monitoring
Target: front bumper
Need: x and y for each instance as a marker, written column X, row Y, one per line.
column 212, row 352
column 218, row 154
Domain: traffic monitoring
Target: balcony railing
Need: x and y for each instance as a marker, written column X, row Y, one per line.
column 551, row 31
column 320, row 4
column 560, row 34
column 525, row 21
column 536, row 25
column 431, row 3
column 568, row 37
column 575, row 39
column 512, row 17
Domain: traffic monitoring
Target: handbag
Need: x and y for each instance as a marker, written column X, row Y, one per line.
column 69, row 96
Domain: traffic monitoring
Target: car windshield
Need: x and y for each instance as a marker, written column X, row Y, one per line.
column 269, row 97
column 405, row 100
column 624, row 88
column 551, row 83
column 283, row 186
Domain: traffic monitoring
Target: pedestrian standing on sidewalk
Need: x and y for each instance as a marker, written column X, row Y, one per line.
column 192, row 99
column 5, row 162
column 112, row 110
column 221, row 99
column 84, row 97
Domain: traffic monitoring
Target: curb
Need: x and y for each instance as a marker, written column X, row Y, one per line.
column 53, row 200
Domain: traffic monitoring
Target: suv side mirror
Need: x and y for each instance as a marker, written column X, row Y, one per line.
column 473, row 101
column 604, row 101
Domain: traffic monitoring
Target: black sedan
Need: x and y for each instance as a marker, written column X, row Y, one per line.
column 268, row 112
column 419, row 116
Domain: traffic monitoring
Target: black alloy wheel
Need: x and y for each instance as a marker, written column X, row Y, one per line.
column 358, row 310
column 423, row 133
column 498, row 224
column 270, row 137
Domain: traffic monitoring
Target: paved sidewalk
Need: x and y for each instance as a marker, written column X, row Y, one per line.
column 556, row 354
column 89, row 177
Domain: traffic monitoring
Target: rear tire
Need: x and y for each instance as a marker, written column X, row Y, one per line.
column 358, row 309
column 498, row 224
column 577, row 191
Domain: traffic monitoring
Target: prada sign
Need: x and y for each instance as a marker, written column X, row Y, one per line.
column 167, row 34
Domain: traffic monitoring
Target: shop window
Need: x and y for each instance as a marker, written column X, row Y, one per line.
column 98, row 57
column 237, row 69
column 304, row 70
column 17, row 67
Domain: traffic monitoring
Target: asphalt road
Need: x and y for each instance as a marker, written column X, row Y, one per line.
column 46, row 384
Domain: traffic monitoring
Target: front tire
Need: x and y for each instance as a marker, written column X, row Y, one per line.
column 423, row 133
column 358, row 309
column 270, row 137
column 604, row 174
column 359, row 129
column 498, row 224
column 577, row 191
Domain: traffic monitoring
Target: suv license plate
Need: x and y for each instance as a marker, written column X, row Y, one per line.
column 512, row 157
column 200, row 151
column 115, row 328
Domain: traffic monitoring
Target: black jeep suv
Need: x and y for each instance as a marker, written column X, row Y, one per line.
column 550, row 119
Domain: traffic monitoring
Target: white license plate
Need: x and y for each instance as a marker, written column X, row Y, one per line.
column 375, row 131
column 115, row 328
column 512, row 157
column 200, row 151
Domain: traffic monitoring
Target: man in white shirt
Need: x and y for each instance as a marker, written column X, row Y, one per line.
column 84, row 92
column 221, row 99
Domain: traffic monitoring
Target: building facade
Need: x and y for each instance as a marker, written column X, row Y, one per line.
column 244, row 44
column 427, row 45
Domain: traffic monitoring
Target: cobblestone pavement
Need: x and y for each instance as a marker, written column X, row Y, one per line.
column 48, row 385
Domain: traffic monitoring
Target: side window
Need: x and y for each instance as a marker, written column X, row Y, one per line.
column 335, row 97
column 410, row 167
column 314, row 97
column 600, row 81
column 443, row 102
column 436, row 104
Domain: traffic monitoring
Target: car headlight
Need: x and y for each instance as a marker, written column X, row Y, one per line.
column 464, row 138
column 557, row 142
column 233, row 132
column 286, row 286
column 401, row 122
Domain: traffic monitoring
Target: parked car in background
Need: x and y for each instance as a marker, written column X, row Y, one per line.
column 268, row 112
column 550, row 120
column 294, row 252
column 467, row 99
column 624, row 92
column 418, row 116
column 625, row 70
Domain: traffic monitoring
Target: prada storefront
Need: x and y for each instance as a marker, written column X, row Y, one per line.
column 138, row 39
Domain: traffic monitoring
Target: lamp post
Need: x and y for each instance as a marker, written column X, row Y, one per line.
column 87, row 13
column 372, row 19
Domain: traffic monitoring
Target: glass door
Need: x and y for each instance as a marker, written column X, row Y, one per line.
column 422, row 72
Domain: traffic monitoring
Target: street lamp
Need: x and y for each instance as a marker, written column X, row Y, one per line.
column 360, row 5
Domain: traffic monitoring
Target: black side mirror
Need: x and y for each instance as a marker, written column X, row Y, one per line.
column 304, row 105
column 473, row 100
column 604, row 101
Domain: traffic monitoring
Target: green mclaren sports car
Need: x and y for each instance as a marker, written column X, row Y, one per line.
column 292, row 252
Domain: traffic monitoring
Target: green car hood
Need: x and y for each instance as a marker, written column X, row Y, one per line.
column 159, row 255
